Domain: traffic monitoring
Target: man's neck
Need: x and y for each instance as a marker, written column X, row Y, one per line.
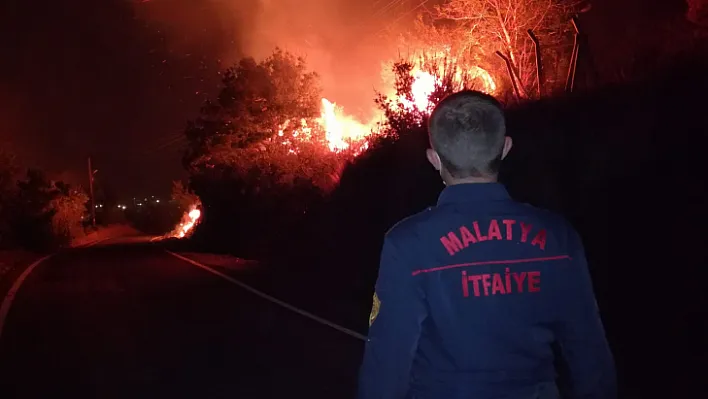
column 471, row 180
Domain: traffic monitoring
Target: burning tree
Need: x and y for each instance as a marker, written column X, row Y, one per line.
column 419, row 84
column 476, row 29
column 263, row 125
column 255, row 101
column 256, row 143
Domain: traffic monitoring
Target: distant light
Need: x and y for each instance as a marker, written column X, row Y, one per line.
column 123, row 207
column 140, row 204
column 158, row 201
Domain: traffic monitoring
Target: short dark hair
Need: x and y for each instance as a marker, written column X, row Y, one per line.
column 467, row 130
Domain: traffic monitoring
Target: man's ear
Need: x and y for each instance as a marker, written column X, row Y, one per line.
column 433, row 158
column 507, row 146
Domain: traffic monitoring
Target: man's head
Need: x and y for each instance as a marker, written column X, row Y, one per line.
column 468, row 138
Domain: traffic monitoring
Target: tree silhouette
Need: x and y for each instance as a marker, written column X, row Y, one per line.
column 256, row 104
column 47, row 213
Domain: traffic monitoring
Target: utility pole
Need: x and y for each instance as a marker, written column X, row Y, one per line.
column 93, row 202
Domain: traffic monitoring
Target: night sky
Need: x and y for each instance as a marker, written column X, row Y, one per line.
column 119, row 79
column 83, row 77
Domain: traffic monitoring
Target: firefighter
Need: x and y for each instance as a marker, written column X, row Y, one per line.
column 474, row 294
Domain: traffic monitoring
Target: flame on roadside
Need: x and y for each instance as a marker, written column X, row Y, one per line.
column 186, row 226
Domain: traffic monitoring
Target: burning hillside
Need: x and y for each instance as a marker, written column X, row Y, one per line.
column 275, row 121
column 334, row 129
column 351, row 45
column 344, row 131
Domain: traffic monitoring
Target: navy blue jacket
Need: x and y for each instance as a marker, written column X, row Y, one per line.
column 473, row 293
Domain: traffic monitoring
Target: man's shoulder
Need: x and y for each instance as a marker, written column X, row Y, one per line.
column 407, row 227
column 547, row 215
column 559, row 223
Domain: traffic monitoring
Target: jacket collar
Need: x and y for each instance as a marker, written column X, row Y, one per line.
column 472, row 192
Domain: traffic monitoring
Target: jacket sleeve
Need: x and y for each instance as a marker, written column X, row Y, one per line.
column 395, row 330
column 581, row 334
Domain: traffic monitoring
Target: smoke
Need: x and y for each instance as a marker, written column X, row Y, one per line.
column 343, row 41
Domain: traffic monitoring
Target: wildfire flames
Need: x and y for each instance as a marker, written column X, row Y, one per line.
column 341, row 130
column 189, row 220
column 344, row 131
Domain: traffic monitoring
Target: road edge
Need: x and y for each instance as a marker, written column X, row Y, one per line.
column 12, row 292
column 269, row 298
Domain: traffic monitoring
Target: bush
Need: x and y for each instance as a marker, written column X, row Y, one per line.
column 40, row 214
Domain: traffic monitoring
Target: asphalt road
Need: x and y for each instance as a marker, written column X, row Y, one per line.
column 128, row 320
